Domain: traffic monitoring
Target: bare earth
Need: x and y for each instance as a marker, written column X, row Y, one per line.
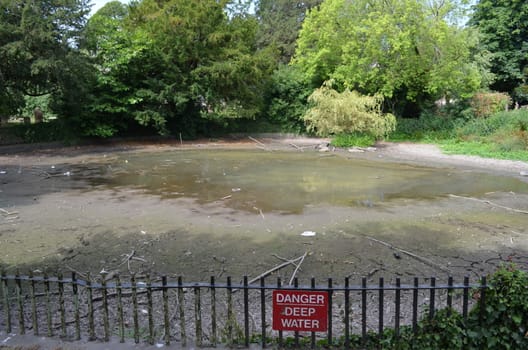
column 45, row 225
column 73, row 229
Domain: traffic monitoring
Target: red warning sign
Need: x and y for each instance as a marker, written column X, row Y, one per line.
column 300, row 310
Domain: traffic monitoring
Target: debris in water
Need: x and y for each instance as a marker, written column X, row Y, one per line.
column 308, row 234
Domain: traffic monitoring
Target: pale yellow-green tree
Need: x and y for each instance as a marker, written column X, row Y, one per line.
column 405, row 50
column 334, row 113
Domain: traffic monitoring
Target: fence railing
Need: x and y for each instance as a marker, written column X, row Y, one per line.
column 157, row 310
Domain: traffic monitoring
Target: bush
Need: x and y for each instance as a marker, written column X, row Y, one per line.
column 356, row 139
column 484, row 104
column 334, row 113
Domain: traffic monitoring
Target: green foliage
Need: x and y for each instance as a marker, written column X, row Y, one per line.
column 503, row 324
column 485, row 104
column 504, row 34
column 287, row 98
column 405, row 50
column 335, row 113
column 356, row 139
column 279, row 24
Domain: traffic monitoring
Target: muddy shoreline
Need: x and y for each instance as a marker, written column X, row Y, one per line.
column 49, row 223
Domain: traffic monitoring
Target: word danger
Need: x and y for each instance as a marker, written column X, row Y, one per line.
column 295, row 310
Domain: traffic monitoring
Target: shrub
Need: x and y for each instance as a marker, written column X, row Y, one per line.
column 356, row 139
column 484, row 104
column 334, row 113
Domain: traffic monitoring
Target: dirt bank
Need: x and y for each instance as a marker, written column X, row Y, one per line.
column 50, row 223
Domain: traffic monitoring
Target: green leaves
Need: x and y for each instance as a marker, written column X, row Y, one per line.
column 397, row 48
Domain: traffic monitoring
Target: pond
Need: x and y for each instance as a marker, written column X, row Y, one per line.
column 203, row 212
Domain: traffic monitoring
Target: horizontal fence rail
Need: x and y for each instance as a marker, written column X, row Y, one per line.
column 156, row 310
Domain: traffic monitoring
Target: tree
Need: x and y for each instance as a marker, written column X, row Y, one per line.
column 503, row 25
column 334, row 113
column 38, row 48
column 279, row 24
column 410, row 52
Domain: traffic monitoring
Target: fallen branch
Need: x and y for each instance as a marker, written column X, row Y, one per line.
column 8, row 213
column 490, row 203
column 297, row 268
column 297, row 147
column 278, row 267
column 412, row 255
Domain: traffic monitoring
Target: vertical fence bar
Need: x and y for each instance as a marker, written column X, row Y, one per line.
column 7, row 306
column 330, row 313
column 20, row 302
column 62, row 309
column 281, row 340
column 263, row 310
column 449, row 295
column 482, row 300
column 312, row 336
column 465, row 298
column 415, row 305
column 91, row 325
column 347, row 313
column 120, row 313
column 133, row 287
column 181, row 309
column 48, row 305
column 34, row 316
column 380, row 307
column 198, row 316
column 246, row 312
column 213, row 312
column 432, row 294
column 364, row 309
column 397, row 301
column 76, row 311
column 104, row 296
column 150, row 311
column 166, row 317
column 229, row 312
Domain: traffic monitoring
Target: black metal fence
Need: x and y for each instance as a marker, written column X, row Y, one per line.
column 206, row 314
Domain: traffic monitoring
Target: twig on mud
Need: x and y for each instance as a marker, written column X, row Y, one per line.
column 297, row 268
column 260, row 212
column 8, row 213
column 412, row 255
column 490, row 203
column 280, row 266
column 129, row 257
column 262, row 145
column 297, row 147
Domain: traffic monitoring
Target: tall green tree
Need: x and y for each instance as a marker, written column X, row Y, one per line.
column 39, row 49
column 179, row 65
column 279, row 24
column 503, row 25
column 411, row 52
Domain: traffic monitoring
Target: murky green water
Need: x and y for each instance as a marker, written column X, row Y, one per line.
column 288, row 182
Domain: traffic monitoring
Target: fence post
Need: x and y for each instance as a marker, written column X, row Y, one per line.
column 198, row 316
column 246, row 312
column 133, row 286
column 330, row 313
column 181, row 309
column 380, row 301
column 34, row 316
column 104, row 294
column 150, row 310
column 18, row 290
column 48, row 305
column 415, row 306
column 76, row 311
column 397, row 307
column 312, row 283
column 263, row 310
column 281, row 340
column 62, row 311
column 432, row 295
column 166, row 317
column 120, row 315
column 230, row 316
column 465, row 298
column 91, row 324
column 449, row 295
column 213, row 312
column 364, row 309
column 7, row 306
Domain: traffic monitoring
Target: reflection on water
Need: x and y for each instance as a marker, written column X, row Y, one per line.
column 287, row 182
